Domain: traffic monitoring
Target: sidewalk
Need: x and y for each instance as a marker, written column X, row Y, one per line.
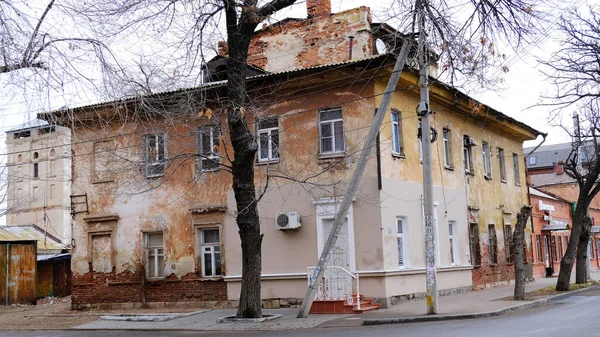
column 472, row 303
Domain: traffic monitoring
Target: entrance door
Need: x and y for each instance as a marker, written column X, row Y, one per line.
column 340, row 254
column 546, row 251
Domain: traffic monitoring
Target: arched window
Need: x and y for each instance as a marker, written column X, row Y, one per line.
column 36, row 155
column 52, row 153
column 20, row 158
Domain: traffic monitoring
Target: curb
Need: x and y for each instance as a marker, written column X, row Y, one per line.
column 436, row 318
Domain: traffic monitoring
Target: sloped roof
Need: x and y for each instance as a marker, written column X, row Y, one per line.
column 536, row 192
column 29, row 233
column 32, row 124
column 546, row 155
column 551, row 178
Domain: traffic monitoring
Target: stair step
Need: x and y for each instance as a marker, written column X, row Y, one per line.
column 364, row 308
column 342, row 306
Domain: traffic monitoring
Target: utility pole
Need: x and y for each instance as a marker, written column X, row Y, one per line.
column 355, row 180
column 424, row 113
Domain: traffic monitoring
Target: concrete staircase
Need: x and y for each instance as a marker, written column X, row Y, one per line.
column 343, row 306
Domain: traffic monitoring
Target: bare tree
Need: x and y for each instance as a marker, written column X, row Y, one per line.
column 583, row 165
column 574, row 71
column 3, row 191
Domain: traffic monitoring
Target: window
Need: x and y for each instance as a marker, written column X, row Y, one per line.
column 516, row 169
column 155, row 154
column 155, row 259
column 532, row 160
column 451, row 230
column 52, row 191
column 538, row 246
column 52, row 153
column 402, row 248
column 36, row 155
column 447, row 148
column 22, row 134
column 397, row 144
column 553, row 246
column 468, row 153
column 46, row 130
column 507, row 241
column 502, row 164
column 560, row 247
column 474, row 244
column 208, row 143
column 331, row 128
column 268, row 139
column 487, row 167
column 36, row 170
column 492, row 244
column 210, row 252
column 52, row 170
column 103, row 161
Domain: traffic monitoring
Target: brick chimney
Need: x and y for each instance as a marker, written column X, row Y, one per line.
column 222, row 48
column 559, row 168
column 317, row 8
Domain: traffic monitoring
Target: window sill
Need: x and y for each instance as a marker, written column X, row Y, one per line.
column 211, row 278
column 267, row 162
column 503, row 181
column 449, row 167
column 208, row 171
column 154, row 176
column 102, row 181
column 517, row 184
column 332, row 155
column 399, row 155
column 155, row 279
column 489, row 178
column 470, row 173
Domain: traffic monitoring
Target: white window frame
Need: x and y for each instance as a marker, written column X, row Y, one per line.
column 502, row 164
column 267, row 133
column 156, row 161
column 401, row 231
column 532, row 160
column 487, row 165
column 467, row 156
column 213, row 131
column 333, row 139
column 397, row 143
column 154, row 253
column 210, row 248
column 446, row 135
column 454, row 258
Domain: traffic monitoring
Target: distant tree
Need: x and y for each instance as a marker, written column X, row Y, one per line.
column 574, row 71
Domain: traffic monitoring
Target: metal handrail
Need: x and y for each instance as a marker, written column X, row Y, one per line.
column 354, row 276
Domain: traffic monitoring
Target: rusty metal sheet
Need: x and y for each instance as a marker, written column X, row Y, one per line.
column 3, row 273
column 61, row 277
column 22, row 273
column 45, row 279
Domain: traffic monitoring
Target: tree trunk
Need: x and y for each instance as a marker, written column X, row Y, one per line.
column 244, row 149
column 566, row 264
column 517, row 245
column 581, row 275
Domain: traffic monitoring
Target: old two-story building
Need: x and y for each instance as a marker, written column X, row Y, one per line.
column 159, row 222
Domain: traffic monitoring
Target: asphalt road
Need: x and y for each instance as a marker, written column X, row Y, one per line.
column 570, row 317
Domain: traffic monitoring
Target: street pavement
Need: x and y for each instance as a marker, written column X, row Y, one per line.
column 571, row 316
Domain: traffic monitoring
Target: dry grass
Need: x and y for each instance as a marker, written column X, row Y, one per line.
column 550, row 290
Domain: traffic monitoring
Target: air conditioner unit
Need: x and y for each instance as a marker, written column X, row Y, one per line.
column 287, row 220
column 469, row 141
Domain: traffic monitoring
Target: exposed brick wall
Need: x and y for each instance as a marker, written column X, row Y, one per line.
column 95, row 288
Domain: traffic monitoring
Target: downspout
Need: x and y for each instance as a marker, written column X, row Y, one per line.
column 7, row 260
column 544, row 135
column 378, row 152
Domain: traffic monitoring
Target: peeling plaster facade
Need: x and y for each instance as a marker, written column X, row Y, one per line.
column 39, row 171
column 111, row 257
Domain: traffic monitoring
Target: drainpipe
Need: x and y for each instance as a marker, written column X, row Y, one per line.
column 7, row 260
column 544, row 135
column 351, row 38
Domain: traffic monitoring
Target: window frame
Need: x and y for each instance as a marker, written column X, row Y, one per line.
column 447, row 147
column 269, row 136
column 397, row 144
column 401, row 222
column 508, row 235
column 454, row 260
column 492, row 244
column 467, row 155
column 212, row 130
column 502, row 164
column 332, row 123
column 516, row 169
column 152, row 252
column 487, row 160
column 474, row 244
column 36, row 171
column 539, row 249
column 157, row 161
column 202, row 245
